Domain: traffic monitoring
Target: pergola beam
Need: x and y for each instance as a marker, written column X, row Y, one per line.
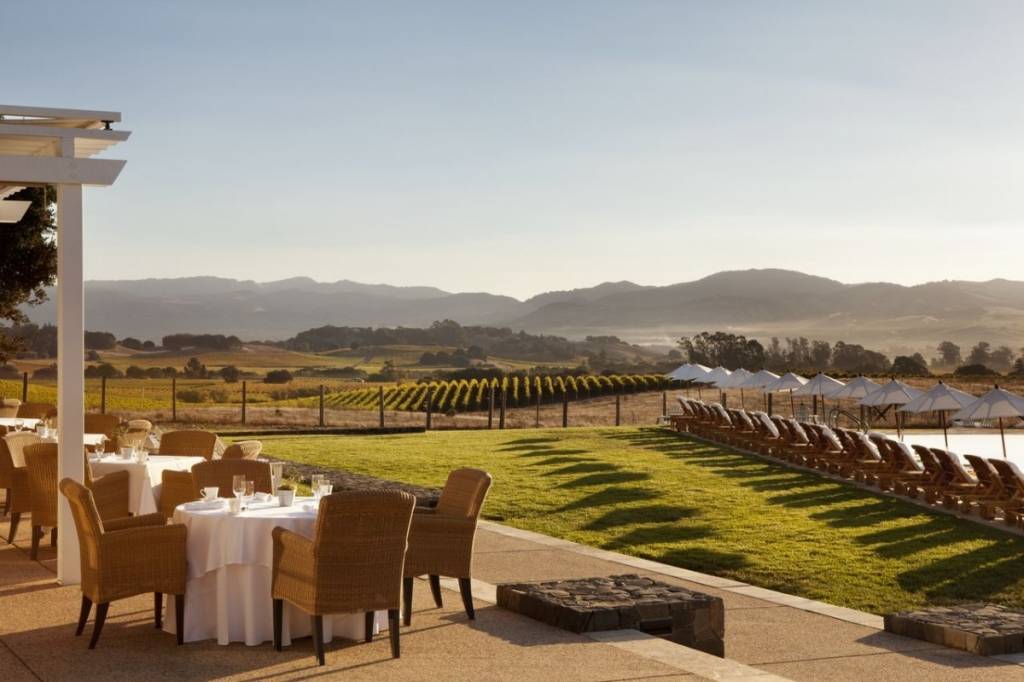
column 48, row 112
column 50, row 170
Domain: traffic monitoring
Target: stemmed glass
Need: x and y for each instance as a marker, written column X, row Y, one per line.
column 238, row 487
column 248, row 493
column 18, row 424
column 315, row 481
column 325, row 488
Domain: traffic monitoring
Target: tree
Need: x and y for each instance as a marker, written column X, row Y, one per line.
column 722, row 348
column 1001, row 359
column 278, row 376
column 910, row 366
column 135, row 372
column 194, row 369
column 949, row 355
column 230, row 374
column 980, row 354
column 131, row 343
column 974, row 371
column 100, row 340
column 821, row 354
column 28, row 260
column 853, row 358
column 104, row 369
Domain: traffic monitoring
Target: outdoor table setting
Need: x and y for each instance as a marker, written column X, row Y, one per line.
column 19, row 423
column 230, row 558
column 144, row 475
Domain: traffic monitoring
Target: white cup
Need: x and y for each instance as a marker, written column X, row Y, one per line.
column 234, row 505
column 127, row 452
column 210, row 492
column 285, row 497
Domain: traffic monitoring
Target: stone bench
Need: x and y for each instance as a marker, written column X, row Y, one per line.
column 620, row 602
column 983, row 629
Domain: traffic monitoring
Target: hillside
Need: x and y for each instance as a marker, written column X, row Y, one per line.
column 760, row 303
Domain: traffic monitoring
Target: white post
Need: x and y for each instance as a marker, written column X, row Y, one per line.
column 70, row 370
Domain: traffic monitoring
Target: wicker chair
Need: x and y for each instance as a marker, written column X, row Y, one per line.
column 124, row 558
column 9, row 407
column 352, row 564
column 441, row 539
column 14, row 475
column 188, row 443
column 220, row 473
column 176, row 487
column 243, row 449
column 36, row 411
column 111, row 493
column 41, row 464
column 107, row 425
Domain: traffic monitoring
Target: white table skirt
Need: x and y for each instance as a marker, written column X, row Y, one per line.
column 27, row 424
column 144, row 480
column 228, row 596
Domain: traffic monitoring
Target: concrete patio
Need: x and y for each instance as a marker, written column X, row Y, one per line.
column 769, row 635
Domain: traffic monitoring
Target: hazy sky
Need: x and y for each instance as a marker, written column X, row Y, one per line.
column 518, row 147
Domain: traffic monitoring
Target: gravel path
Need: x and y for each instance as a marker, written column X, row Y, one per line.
column 346, row 480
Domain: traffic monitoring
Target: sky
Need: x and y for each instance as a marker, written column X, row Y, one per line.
column 520, row 147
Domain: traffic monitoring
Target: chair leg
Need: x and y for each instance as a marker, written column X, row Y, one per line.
column 278, row 616
column 466, row 589
column 179, row 618
column 53, row 536
column 97, row 626
column 368, row 634
column 393, row 630
column 83, row 615
column 15, row 517
column 318, row 638
column 158, row 609
column 37, row 535
column 7, row 501
column 435, row 589
column 407, row 600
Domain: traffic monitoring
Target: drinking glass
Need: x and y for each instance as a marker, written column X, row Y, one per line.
column 18, row 424
column 325, row 488
column 315, row 481
column 248, row 493
column 276, row 474
column 238, row 486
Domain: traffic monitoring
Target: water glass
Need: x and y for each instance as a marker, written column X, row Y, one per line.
column 238, row 485
column 276, row 474
column 325, row 489
column 315, row 481
column 18, row 424
column 248, row 493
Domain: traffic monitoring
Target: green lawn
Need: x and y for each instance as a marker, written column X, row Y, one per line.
column 651, row 493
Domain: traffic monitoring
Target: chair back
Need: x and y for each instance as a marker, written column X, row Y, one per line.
column 986, row 473
column 89, row 529
column 6, row 464
column 220, row 472
column 9, row 407
column 905, row 456
column 136, row 433
column 359, row 549
column 1010, row 475
column 41, row 463
column 17, row 442
column 243, row 449
column 953, row 467
column 188, row 443
column 106, row 424
column 36, row 411
column 464, row 493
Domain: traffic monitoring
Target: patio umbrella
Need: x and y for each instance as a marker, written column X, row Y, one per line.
column 694, row 374
column 735, row 380
column 893, row 393
column 861, row 387
column 714, row 376
column 787, row 382
column 760, row 380
column 679, row 373
column 942, row 399
column 996, row 404
column 821, row 386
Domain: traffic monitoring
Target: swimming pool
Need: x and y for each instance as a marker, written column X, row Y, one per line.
column 984, row 444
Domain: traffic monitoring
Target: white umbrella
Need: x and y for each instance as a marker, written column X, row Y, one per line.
column 942, row 399
column 893, row 393
column 996, row 404
column 696, row 372
column 735, row 380
column 760, row 379
column 714, row 376
column 860, row 387
column 679, row 373
column 787, row 382
column 821, row 386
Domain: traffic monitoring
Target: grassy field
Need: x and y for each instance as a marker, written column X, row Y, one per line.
column 651, row 493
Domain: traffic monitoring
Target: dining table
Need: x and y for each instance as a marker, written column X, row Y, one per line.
column 230, row 559
column 14, row 422
column 90, row 439
column 144, row 477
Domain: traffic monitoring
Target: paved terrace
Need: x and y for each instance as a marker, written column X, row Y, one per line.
column 769, row 635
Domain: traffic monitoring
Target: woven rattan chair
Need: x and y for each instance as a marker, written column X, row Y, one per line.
column 136, row 433
column 36, row 411
column 176, row 487
column 9, row 407
column 220, row 473
column 111, row 493
column 13, row 472
column 353, row 564
column 188, row 443
column 441, row 539
column 243, row 449
column 125, row 558
column 107, row 425
column 41, row 464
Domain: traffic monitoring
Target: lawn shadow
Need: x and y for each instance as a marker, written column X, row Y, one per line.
column 646, row 514
column 612, row 495
column 561, row 459
column 582, row 468
column 607, row 478
column 660, row 534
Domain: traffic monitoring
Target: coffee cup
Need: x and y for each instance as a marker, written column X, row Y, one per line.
column 127, row 452
column 210, row 492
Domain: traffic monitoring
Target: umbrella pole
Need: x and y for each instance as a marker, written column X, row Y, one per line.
column 945, row 434
column 896, row 415
column 742, row 401
column 792, row 405
column 1002, row 436
column 863, row 427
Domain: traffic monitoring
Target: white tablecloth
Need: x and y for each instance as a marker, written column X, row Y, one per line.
column 29, row 424
column 230, row 562
column 143, row 479
column 17, row 456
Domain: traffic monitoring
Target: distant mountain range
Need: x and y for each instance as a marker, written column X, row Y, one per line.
column 759, row 303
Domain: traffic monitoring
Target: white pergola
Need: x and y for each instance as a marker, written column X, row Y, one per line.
column 41, row 147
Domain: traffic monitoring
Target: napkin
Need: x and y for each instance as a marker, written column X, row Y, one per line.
column 201, row 505
column 263, row 497
column 309, row 507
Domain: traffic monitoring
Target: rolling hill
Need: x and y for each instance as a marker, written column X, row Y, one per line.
column 759, row 303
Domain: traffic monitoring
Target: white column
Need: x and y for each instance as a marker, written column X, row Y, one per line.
column 70, row 370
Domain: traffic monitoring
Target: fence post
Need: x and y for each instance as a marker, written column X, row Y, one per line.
column 664, row 403
column 430, row 405
column 769, row 404
column 24, row 387
column 380, row 401
column 244, row 399
column 490, row 408
column 565, row 410
column 618, row 409
column 501, row 414
column 321, row 404
column 174, row 399
column 103, row 395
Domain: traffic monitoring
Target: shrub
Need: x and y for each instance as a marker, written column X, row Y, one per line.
column 974, row 371
column 9, row 372
column 104, row 369
column 230, row 374
column 135, row 372
column 190, row 395
column 46, row 372
column 278, row 376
